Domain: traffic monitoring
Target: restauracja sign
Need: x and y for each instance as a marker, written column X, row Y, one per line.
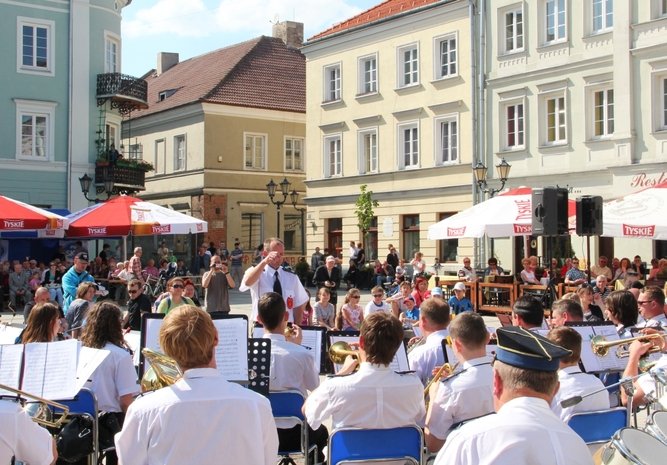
column 644, row 180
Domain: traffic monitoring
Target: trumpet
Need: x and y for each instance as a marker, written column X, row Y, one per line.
column 339, row 351
column 289, row 331
column 443, row 372
column 601, row 347
column 42, row 413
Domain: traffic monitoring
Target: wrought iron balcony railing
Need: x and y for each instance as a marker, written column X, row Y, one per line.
column 125, row 92
column 125, row 178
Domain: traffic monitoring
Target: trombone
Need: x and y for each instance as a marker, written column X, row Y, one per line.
column 601, row 347
column 42, row 414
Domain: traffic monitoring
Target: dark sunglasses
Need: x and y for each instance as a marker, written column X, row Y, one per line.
column 177, row 286
column 378, row 295
column 354, row 296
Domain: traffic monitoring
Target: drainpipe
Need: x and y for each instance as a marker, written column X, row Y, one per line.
column 69, row 110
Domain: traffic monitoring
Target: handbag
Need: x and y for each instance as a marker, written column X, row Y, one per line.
column 75, row 439
column 109, row 424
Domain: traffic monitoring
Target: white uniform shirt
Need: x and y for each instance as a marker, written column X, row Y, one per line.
column 646, row 382
column 424, row 358
column 654, row 322
column 292, row 368
column 289, row 283
column 373, row 397
column 524, row 432
column 200, row 419
column 115, row 377
column 372, row 308
column 22, row 437
column 575, row 383
column 466, row 395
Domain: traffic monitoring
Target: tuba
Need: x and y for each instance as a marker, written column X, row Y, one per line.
column 163, row 371
column 41, row 411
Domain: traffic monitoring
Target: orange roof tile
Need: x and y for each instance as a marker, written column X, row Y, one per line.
column 379, row 12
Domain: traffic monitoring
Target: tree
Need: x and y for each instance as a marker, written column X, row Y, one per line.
column 364, row 209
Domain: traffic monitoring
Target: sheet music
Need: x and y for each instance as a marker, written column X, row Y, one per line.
column 311, row 340
column 89, row 360
column 399, row 363
column 50, row 369
column 151, row 329
column 231, row 353
column 8, row 334
column 11, row 359
column 133, row 341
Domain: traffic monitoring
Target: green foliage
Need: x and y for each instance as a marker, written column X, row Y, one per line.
column 364, row 209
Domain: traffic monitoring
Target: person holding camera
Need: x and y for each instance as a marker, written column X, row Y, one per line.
column 217, row 281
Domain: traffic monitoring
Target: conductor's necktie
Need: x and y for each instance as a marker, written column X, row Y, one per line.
column 277, row 288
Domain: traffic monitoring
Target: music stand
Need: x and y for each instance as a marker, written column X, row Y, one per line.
column 400, row 362
column 318, row 335
column 259, row 365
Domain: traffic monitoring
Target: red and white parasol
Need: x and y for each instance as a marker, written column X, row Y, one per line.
column 642, row 214
column 19, row 216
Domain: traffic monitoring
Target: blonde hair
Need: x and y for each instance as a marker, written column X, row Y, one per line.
column 188, row 336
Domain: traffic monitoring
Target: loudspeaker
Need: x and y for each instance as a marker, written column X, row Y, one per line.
column 589, row 215
column 549, row 211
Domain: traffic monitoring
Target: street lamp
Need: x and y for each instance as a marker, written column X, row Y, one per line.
column 480, row 170
column 294, row 196
column 107, row 187
column 271, row 190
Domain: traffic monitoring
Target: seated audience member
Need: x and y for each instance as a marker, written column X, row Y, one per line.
column 587, row 299
column 493, row 269
column 467, row 272
column 527, row 275
column 190, row 292
column 575, row 276
column 137, row 305
column 351, row 313
column 651, row 304
column 564, row 311
column 411, row 314
column 601, row 269
column 377, row 304
column 600, row 287
column 22, row 438
column 528, row 312
column 573, row 382
column 375, row 396
column 524, row 431
column 421, row 292
column 418, row 264
column 434, row 317
column 325, row 312
column 41, row 296
column 78, row 309
column 162, row 427
column 467, row 393
column 459, row 303
column 292, row 368
column 397, row 300
column 621, row 308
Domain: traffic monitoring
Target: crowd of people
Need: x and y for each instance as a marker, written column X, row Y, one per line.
column 523, row 383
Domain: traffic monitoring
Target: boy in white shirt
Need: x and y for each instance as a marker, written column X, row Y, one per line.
column 377, row 304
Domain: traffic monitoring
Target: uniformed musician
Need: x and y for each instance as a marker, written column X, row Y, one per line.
column 524, row 431
column 528, row 312
column 268, row 275
column 22, row 438
column 375, row 396
column 433, row 320
column 202, row 418
column 467, row 393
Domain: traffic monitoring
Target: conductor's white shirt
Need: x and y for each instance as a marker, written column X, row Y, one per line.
column 200, row 419
column 424, row 358
column 22, row 437
column 573, row 382
column 373, row 397
column 115, row 377
column 466, row 395
column 524, row 432
column 290, row 284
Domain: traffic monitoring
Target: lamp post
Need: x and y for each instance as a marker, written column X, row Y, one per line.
column 271, row 190
column 107, row 188
column 294, row 196
column 480, row 170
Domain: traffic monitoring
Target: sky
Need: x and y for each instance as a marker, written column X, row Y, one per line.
column 193, row 27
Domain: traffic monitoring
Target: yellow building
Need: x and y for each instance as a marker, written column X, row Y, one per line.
column 220, row 126
column 390, row 105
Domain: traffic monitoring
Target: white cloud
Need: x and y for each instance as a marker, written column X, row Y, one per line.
column 203, row 18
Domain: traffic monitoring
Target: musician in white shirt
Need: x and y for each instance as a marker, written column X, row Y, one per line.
column 433, row 320
column 202, row 418
column 22, row 438
column 574, row 382
column 651, row 302
column 467, row 393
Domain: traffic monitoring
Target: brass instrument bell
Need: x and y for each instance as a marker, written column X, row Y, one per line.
column 163, row 371
column 339, row 351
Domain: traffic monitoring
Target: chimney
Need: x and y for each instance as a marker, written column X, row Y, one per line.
column 166, row 60
column 289, row 32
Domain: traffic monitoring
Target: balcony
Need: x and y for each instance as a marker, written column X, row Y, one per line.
column 126, row 178
column 126, row 93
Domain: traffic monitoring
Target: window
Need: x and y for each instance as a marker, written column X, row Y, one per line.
column 514, row 30
column 663, row 7
column 136, row 152
column 555, row 20
column 333, row 159
column 603, row 113
column 111, row 132
column 111, row 54
column 603, row 15
column 447, row 145
column 663, row 85
column 371, row 244
column 447, row 248
column 36, row 42
column 160, row 156
column 334, row 236
column 408, row 145
column 293, row 154
column 515, row 126
column 292, row 231
column 251, row 229
column 408, row 59
column 332, row 84
column 555, row 112
column 410, row 232
column 34, row 130
column 368, row 78
column 446, row 57
column 368, row 151
column 180, row 154
column 255, row 151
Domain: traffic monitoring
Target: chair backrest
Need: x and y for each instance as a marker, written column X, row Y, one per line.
column 599, row 426
column 360, row 445
column 286, row 404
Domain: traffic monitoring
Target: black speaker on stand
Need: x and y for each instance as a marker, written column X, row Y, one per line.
column 549, row 206
column 589, row 215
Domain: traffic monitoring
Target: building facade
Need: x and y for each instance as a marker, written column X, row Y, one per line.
column 390, row 106
column 576, row 93
column 52, row 126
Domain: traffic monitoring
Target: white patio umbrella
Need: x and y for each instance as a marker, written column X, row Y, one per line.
column 642, row 214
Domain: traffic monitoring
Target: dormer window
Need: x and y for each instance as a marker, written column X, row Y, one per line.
column 165, row 94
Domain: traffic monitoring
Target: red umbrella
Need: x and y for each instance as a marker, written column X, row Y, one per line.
column 19, row 216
